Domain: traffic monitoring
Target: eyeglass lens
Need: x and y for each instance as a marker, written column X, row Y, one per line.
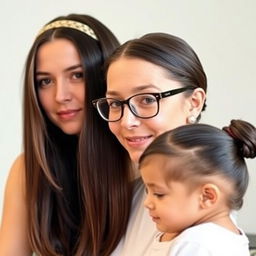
column 143, row 105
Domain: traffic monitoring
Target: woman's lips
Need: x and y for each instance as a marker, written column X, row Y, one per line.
column 137, row 141
column 68, row 114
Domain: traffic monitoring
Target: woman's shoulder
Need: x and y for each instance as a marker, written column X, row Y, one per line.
column 141, row 229
column 13, row 232
column 18, row 165
column 17, row 173
column 18, row 162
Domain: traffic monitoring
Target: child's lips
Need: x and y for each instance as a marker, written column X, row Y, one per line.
column 154, row 218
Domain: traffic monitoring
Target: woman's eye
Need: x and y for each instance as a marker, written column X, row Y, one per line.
column 44, row 82
column 114, row 104
column 78, row 75
column 148, row 100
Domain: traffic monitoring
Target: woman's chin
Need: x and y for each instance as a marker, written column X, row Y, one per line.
column 135, row 157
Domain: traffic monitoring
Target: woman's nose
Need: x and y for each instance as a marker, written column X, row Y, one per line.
column 129, row 120
column 63, row 93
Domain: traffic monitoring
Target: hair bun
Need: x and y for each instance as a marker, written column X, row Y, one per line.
column 245, row 134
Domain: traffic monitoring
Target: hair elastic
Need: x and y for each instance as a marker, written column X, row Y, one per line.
column 69, row 24
column 229, row 132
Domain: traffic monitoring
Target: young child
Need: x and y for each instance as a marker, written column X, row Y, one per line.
column 195, row 175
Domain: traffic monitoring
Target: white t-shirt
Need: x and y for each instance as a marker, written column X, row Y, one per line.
column 141, row 230
column 207, row 239
column 141, row 235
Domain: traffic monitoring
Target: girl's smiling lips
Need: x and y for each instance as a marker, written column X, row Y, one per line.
column 68, row 114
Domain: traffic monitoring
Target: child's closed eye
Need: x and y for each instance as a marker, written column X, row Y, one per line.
column 159, row 195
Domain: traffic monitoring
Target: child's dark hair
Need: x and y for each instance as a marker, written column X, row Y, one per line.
column 206, row 151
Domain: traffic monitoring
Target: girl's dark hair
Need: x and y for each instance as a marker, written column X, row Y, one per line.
column 206, row 150
column 169, row 52
column 74, row 207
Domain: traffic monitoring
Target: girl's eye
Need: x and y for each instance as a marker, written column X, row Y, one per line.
column 158, row 195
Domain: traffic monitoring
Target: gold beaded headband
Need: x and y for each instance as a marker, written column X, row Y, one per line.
column 69, row 24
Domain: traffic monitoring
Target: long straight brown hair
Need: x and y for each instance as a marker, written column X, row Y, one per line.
column 78, row 189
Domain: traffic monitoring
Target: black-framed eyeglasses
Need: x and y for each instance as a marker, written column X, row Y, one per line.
column 142, row 105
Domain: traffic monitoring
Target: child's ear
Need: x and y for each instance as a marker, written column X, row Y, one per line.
column 209, row 195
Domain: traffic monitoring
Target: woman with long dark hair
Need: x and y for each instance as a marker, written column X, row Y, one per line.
column 63, row 191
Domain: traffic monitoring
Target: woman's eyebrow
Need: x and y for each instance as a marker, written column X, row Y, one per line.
column 73, row 67
column 65, row 70
column 135, row 90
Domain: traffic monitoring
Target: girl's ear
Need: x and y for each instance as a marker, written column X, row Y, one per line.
column 209, row 196
column 197, row 100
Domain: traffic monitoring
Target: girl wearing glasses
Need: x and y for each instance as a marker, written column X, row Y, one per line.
column 194, row 176
column 154, row 84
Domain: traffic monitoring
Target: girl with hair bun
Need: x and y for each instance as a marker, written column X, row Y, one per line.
column 195, row 175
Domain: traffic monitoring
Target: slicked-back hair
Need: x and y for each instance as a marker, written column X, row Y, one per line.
column 169, row 52
column 204, row 150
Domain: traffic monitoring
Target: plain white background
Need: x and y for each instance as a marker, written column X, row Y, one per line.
column 222, row 32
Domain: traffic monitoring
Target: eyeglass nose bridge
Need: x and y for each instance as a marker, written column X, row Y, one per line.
column 130, row 106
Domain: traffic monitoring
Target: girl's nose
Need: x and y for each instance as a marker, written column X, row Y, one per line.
column 148, row 203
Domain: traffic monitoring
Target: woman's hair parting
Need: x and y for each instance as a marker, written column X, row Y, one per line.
column 169, row 52
column 206, row 150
